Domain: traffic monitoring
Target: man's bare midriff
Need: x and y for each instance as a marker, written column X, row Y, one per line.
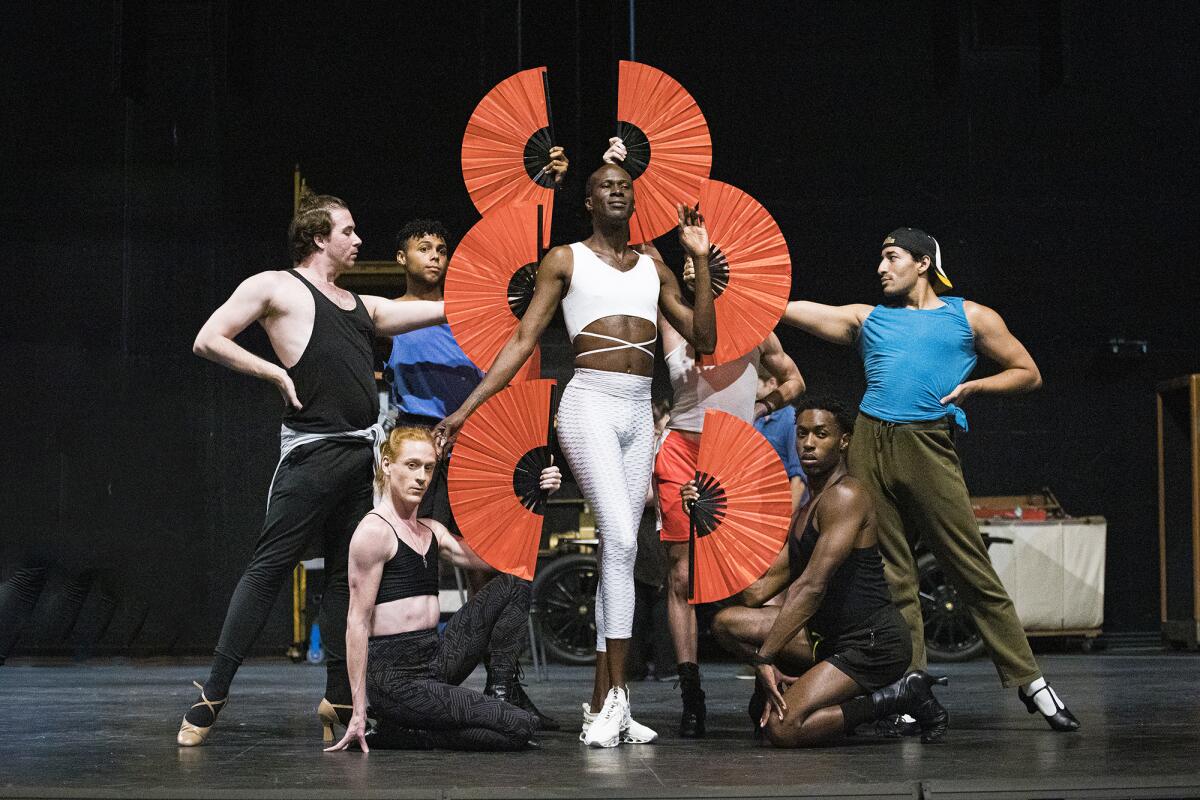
column 627, row 360
column 406, row 614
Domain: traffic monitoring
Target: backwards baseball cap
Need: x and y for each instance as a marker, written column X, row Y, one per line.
column 920, row 243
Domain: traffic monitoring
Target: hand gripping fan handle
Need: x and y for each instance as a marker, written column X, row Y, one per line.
column 551, row 437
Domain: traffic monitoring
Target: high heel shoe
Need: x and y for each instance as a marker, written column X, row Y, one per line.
column 913, row 695
column 1062, row 720
column 192, row 735
column 332, row 714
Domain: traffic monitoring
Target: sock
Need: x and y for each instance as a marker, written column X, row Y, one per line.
column 1047, row 702
column 856, row 711
column 689, row 681
column 215, row 688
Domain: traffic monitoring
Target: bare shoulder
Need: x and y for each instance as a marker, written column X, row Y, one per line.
column 981, row 317
column 439, row 530
column 278, row 288
column 372, row 537
column 847, row 496
column 558, row 260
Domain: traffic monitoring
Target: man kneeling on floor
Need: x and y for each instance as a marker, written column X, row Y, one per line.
column 395, row 657
column 851, row 663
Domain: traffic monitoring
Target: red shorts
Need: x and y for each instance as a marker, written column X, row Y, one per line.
column 674, row 466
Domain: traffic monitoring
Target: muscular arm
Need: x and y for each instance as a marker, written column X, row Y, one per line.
column 250, row 302
column 837, row 324
column 455, row 551
column 1018, row 372
column 370, row 548
column 552, row 275
column 786, row 373
column 758, row 593
column 392, row 317
column 840, row 517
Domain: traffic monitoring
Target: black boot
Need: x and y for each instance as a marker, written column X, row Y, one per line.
column 691, row 721
column 912, row 695
column 758, row 703
column 895, row 726
column 504, row 683
column 1062, row 720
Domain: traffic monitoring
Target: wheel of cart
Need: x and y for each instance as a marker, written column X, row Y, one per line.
column 564, row 594
column 950, row 632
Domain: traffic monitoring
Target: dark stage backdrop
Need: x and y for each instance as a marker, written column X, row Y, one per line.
column 147, row 165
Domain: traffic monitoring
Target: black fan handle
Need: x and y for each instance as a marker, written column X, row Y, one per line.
column 549, row 115
column 692, row 546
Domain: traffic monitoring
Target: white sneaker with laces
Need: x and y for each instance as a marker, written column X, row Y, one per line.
column 605, row 729
column 633, row 731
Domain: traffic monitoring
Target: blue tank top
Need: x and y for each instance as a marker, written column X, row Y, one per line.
column 915, row 357
column 431, row 375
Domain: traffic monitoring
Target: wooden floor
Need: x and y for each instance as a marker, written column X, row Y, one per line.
column 107, row 729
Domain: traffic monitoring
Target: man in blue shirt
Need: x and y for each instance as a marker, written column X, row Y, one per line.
column 779, row 428
column 919, row 348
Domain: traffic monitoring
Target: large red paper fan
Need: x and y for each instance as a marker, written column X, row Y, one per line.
column 668, row 144
column 740, row 523
column 506, row 146
column 489, row 283
column 750, row 266
column 494, row 473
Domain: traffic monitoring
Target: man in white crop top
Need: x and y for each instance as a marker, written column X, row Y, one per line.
column 611, row 296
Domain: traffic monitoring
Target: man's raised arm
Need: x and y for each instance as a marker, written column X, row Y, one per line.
column 837, row 324
column 400, row 316
column 547, row 294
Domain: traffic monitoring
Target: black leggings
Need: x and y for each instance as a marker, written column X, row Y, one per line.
column 320, row 488
column 412, row 678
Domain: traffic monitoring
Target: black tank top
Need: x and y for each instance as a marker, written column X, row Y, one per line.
column 408, row 574
column 857, row 590
column 335, row 376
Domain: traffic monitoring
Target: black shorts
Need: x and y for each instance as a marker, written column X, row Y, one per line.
column 874, row 655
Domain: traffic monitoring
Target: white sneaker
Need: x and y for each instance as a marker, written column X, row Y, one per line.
column 605, row 728
column 632, row 732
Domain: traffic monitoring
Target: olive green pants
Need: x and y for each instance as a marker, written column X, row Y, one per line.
column 913, row 474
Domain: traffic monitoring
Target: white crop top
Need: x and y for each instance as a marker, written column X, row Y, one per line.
column 598, row 290
column 727, row 387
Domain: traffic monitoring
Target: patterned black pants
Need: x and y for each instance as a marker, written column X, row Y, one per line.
column 412, row 678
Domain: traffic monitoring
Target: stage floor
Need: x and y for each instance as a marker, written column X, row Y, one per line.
column 107, row 728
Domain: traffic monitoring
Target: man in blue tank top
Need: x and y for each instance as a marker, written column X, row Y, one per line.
column 919, row 349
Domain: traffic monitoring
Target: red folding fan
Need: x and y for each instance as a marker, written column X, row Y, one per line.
column 490, row 281
column 740, row 522
column 669, row 148
column 750, row 267
column 506, row 147
column 494, row 473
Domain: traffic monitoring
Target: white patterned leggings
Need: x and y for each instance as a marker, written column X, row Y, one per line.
column 606, row 431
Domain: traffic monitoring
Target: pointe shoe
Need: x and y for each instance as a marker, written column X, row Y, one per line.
column 193, row 735
column 329, row 715
column 1062, row 720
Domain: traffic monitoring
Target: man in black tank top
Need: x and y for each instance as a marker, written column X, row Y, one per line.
column 837, row 630
column 322, row 337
